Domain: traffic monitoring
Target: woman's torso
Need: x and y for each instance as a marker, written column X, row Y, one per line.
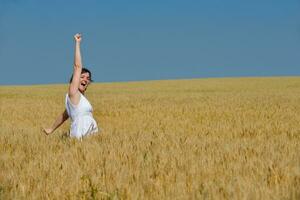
column 82, row 121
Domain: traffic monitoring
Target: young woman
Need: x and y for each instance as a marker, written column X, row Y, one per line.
column 78, row 107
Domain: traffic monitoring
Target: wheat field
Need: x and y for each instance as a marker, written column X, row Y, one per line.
column 218, row 138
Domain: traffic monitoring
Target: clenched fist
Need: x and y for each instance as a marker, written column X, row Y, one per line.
column 78, row 37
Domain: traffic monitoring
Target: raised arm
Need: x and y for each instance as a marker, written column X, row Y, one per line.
column 73, row 88
column 59, row 121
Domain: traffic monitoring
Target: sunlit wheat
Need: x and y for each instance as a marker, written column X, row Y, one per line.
column 185, row 139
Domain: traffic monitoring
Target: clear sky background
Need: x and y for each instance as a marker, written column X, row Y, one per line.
column 145, row 40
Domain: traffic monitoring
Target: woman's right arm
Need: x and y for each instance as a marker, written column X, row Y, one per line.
column 74, row 85
column 59, row 121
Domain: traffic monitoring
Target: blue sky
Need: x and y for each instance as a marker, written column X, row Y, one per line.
column 146, row 40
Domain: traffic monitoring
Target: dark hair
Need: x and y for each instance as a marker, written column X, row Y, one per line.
column 84, row 70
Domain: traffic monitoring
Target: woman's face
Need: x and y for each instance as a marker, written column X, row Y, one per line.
column 84, row 82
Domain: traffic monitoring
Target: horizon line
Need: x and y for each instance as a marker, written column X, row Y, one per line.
column 155, row 80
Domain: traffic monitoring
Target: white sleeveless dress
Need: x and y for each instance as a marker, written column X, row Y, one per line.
column 82, row 121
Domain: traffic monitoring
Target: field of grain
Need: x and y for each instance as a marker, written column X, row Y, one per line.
column 227, row 138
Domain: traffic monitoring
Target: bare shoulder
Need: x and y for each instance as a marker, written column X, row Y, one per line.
column 74, row 97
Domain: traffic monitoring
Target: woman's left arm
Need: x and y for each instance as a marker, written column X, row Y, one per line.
column 59, row 121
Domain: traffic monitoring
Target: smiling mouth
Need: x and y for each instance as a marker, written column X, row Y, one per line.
column 83, row 84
